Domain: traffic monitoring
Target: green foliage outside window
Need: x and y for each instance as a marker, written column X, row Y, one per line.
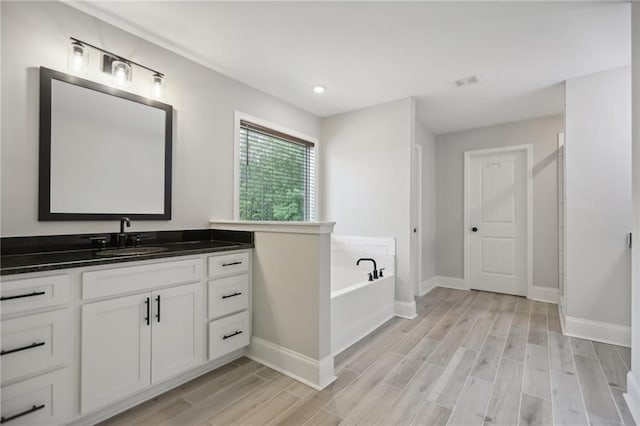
column 275, row 178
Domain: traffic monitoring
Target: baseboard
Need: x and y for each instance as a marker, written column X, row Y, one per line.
column 544, row 294
column 427, row 285
column 449, row 282
column 632, row 396
column 311, row 372
column 405, row 309
column 604, row 332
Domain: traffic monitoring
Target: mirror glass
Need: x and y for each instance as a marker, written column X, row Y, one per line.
column 109, row 153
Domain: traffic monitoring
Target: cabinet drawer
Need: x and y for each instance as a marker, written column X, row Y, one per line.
column 34, row 293
column 228, row 295
column 228, row 264
column 228, row 334
column 34, row 343
column 41, row 400
column 115, row 281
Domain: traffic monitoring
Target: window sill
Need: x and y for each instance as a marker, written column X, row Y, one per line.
column 274, row 226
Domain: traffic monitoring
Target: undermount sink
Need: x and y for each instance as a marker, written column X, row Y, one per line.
column 131, row 251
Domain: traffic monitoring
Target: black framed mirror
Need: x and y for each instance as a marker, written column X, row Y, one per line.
column 104, row 152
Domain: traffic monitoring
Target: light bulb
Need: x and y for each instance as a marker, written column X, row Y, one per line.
column 120, row 72
column 78, row 58
column 157, row 87
column 319, row 89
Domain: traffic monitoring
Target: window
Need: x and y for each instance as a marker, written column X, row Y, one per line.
column 277, row 175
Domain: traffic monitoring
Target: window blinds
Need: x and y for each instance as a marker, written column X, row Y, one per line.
column 277, row 175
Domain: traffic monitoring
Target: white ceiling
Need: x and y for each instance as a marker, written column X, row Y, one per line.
column 369, row 53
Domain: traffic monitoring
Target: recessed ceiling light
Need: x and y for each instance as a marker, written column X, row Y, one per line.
column 319, row 89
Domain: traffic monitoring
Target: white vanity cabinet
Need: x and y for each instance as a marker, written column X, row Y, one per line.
column 131, row 342
column 228, row 303
column 36, row 350
column 96, row 340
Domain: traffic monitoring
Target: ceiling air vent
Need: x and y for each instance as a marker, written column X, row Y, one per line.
column 467, row 81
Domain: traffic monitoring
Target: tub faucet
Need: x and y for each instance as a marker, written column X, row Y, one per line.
column 375, row 267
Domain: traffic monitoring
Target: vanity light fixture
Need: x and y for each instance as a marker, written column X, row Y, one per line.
column 78, row 58
column 319, row 89
column 120, row 73
column 157, row 86
column 120, row 68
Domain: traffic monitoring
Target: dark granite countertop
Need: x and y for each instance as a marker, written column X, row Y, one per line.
column 36, row 254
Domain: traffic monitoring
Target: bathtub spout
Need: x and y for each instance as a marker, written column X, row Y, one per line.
column 375, row 266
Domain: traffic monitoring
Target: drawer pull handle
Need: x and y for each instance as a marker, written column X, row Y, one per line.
column 24, row 348
column 24, row 413
column 237, row 293
column 227, row 336
column 20, row 296
column 158, row 312
column 232, row 263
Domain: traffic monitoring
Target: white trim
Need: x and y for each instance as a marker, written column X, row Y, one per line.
column 528, row 149
column 450, row 282
column 541, row 294
column 311, row 372
column 544, row 294
column 416, row 271
column 237, row 117
column 137, row 398
column 562, row 310
column 428, row 285
column 598, row 331
column 405, row 309
column 563, row 325
column 236, row 164
column 270, row 226
column 632, row 397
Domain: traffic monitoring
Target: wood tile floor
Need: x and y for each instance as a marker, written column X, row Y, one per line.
column 469, row 358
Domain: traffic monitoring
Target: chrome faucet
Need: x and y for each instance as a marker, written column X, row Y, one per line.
column 372, row 275
column 122, row 236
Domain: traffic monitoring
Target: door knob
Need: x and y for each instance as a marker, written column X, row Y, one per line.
column 474, row 229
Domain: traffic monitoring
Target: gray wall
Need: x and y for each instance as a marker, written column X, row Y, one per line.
column 291, row 291
column 37, row 34
column 366, row 175
column 450, row 148
column 598, row 196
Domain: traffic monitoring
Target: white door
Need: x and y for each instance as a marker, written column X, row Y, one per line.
column 116, row 350
column 497, row 219
column 178, row 330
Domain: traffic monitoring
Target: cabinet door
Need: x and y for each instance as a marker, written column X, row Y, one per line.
column 178, row 330
column 116, row 350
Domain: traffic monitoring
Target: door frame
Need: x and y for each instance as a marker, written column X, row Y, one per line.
column 528, row 150
column 416, row 249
